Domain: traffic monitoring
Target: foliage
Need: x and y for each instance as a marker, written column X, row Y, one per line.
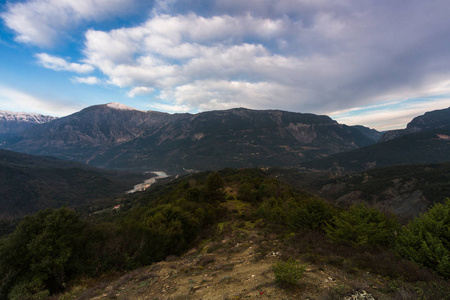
column 361, row 225
column 426, row 239
column 288, row 272
column 43, row 252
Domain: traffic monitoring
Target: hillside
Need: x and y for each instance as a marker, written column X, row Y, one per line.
column 14, row 124
column 233, row 234
column 418, row 148
column 437, row 119
column 406, row 191
column 111, row 136
column 32, row 183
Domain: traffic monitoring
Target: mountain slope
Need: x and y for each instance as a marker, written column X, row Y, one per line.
column 30, row 183
column 115, row 136
column 437, row 119
column 418, row 148
column 234, row 138
column 82, row 135
column 13, row 124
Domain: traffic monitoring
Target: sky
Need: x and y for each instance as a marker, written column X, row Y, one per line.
column 374, row 63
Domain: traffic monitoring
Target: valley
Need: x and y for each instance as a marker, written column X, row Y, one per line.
column 344, row 208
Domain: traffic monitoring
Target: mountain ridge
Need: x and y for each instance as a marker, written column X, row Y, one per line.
column 110, row 136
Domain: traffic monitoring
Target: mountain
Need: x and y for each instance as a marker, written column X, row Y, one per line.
column 423, row 147
column 406, row 190
column 437, row 119
column 30, row 183
column 116, row 136
column 371, row 133
column 14, row 123
column 84, row 134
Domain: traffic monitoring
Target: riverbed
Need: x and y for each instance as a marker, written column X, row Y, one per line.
column 147, row 183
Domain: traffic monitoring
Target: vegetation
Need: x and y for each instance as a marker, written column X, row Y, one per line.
column 32, row 183
column 52, row 248
column 288, row 272
column 426, row 240
column 361, row 225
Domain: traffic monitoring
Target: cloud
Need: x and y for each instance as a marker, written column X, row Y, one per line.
column 316, row 56
column 86, row 80
column 309, row 56
column 141, row 90
column 16, row 100
column 59, row 64
column 388, row 116
column 43, row 22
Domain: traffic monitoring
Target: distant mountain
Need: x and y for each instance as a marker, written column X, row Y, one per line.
column 30, row 183
column 116, row 136
column 373, row 134
column 423, row 147
column 437, row 119
column 13, row 124
column 83, row 135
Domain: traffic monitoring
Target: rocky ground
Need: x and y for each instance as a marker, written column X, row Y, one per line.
column 237, row 267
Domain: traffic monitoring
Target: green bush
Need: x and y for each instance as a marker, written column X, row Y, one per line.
column 309, row 213
column 426, row 239
column 361, row 225
column 288, row 272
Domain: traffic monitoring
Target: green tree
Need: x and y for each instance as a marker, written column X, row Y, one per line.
column 362, row 225
column 42, row 253
column 426, row 239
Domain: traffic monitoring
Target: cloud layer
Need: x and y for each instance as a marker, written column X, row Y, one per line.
column 312, row 56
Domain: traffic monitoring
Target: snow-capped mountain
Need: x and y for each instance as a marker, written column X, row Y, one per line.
column 22, row 117
column 12, row 124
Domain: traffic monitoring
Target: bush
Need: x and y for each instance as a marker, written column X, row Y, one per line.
column 361, row 225
column 426, row 240
column 310, row 213
column 289, row 272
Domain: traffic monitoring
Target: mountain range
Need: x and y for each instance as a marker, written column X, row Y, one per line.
column 116, row 136
column 120, row 137
column 426, row 139
column 13, row 124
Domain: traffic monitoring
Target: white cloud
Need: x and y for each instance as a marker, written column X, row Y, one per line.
column 15, row 100
column 86, row 80
column 42, row 22
column 59, row 64
column 141, row 90
column 390, row 116
column 334, row 58
column 307, row 55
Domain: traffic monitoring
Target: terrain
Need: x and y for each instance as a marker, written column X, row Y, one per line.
column 13, row 124
column 406, row 191
column 31, row 183
column 235, row 234
column 437, row 119
column 119, row 137
column 423, row 147
column 329, row 212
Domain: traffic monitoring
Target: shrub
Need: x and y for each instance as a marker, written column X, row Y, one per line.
column 426, row 240
column 361, row 225
column 288, row 272
column 310, row 213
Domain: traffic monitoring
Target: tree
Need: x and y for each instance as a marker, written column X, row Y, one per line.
column 361, row 225
column 426, row 239
column 44, row 251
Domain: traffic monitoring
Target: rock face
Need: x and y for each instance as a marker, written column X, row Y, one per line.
column 437, row 119
column 116, row 136
column 13, row 124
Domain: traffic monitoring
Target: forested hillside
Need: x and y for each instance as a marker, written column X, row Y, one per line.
column 243, row 210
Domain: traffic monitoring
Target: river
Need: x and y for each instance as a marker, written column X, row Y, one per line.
column 146, row 184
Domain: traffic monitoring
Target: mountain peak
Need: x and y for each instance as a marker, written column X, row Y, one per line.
column 120, row 106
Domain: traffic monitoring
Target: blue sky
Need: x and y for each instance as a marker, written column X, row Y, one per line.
column 374, row 63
